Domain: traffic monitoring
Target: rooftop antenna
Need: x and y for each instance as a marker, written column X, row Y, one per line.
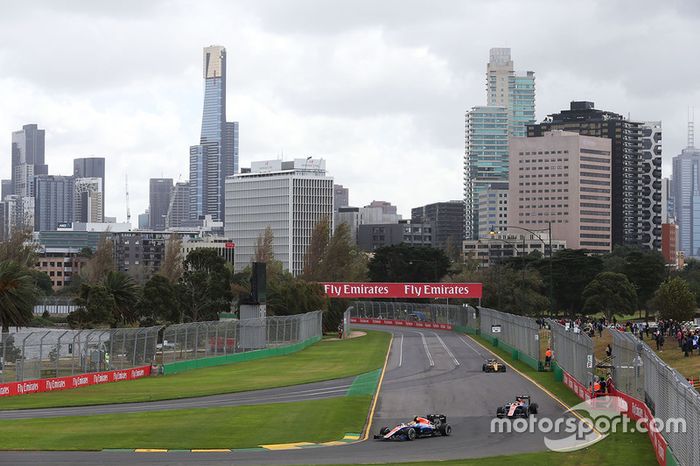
column 126, row 190
column 691, row 127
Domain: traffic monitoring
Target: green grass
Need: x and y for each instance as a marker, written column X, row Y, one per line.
column 233, row 427
column 325, row 360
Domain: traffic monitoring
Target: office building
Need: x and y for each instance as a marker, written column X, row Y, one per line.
column 686, row 197
column 53, row 202
column 372, row 237
column 510, row 89
column 28, row 148
column 485, row 158
column 341, row 197
column 216, row 155
column 159, row 201
column 91, row 167
column 6, row 189
column 351, row 217
column 88, row 200
column 492, row 249
column 669, row 242
column 628, row 169
column 179, row 207
column 379, row 212
column 224, row 247
column 493, row 209
column 144, row 220
column 62, row 266
column 446, row 219
column 564, row 179
column 289, row 197
column 667, row 207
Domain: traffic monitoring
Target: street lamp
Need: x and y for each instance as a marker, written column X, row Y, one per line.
column 544, row 245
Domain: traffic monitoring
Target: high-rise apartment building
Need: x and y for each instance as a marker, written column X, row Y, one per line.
column 650, row 184
column 563, row 179
column 159, row 202
column 493, row 209
column 91, row 167
column 6, row 189
column 53, row 201
column 289, row 197
column 686, row 196
column 485, row 158
column 447, row 220
column 511, row 89
column 341, row 197
column 628, row 167
column 179, row 208
column 216, row 155
column 88, row 200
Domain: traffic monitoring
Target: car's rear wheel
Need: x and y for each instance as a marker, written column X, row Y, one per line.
column 384, row 431
column 503, row 368
column 411, row 434
column 533, row 408
column 483, row 368
column 446, row 429
column 500, row 412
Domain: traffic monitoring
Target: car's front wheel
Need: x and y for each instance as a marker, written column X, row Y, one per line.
column 411, row 434
column 384, row 431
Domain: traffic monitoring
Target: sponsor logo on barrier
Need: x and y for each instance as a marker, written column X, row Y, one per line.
column 28, row 387
column 136, row 373
column 55, row 384
column 402, row 323
column 4, row 391
column 80, row 381
column 120, row 375
column 402, row 290
column 100, row 378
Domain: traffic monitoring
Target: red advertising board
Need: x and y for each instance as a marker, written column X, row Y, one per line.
column 75, row 381
column 402, row 323
column 402, row 290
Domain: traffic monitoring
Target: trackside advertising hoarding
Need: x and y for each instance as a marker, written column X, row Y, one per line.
column 402, row 323
column 402, row 290
column 75, row 381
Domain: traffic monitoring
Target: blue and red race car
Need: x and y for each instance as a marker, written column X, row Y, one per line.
column 431, row 425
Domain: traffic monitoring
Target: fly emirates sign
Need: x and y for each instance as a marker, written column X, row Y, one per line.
column 402, row 290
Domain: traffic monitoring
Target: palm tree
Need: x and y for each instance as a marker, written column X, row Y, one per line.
column 125, row 293
column 17, row 295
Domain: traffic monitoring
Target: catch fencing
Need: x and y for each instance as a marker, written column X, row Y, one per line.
column 627, row 363
column 573, row 352
column 182, row 342
column 521, row 334
column 38, row 354
column 452, row 314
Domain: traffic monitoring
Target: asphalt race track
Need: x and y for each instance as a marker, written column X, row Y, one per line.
column 429, row 371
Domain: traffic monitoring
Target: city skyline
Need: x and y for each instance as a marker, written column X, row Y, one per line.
column 401, row 110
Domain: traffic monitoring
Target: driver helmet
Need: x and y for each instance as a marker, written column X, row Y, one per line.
column 415, row 419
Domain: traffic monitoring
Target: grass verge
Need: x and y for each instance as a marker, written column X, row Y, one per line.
column 232, row 427
column 325, row 360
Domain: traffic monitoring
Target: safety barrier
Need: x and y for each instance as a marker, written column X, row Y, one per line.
column 573, row 352
column 519, row 335
column 402, row 323
column 401, row 311
column 182, row 366
column 65, row 383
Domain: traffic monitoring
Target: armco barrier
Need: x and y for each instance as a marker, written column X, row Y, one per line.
column 182, row 366
column 75, row 381
column 633, row 409
column 402, row 323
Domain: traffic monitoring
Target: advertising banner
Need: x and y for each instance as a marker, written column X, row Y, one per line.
column 75, row 381
column 402, row 290
column 402, row 323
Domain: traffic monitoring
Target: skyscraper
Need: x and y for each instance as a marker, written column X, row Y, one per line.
column 216, row 155
column 88, row 200
column 28, row 147
column 628, row 168
column 341, row 197
column 53, row 201
column 686, row 196
column 159, row 197
column 511, row 89
column 178, row 210
column 447, row 220
column 651, row 186
column 6, row 189
column 91, row 167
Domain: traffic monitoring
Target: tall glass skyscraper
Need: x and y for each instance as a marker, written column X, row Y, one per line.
column 686, row 197
column 510, row 99
column 216, row 155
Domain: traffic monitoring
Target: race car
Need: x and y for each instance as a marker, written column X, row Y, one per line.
column 492, row 365
column 521, row 407
column 431, row 425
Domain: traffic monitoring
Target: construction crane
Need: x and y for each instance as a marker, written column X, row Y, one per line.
column 126, row 187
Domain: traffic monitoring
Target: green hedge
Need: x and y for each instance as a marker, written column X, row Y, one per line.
column 182, row 366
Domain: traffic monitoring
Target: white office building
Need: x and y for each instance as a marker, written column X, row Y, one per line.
column 289, row 197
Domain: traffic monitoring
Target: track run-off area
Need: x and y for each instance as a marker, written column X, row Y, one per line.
column 427, row 371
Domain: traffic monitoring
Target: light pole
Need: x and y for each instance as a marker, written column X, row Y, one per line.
column 544, row 245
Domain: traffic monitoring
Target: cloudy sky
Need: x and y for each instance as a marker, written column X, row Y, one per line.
column 378, row 88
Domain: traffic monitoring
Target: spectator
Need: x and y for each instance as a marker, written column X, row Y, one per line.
column 608, row 350
column 660, row 342
column 687, row 346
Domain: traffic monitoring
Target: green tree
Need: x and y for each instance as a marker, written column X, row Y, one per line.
column 205, row 287
column 314, row 267
column 19, row 248
column 572, row 270
column 404, row 263
column 17, row 295
column 290, row 295
column 125, row 294
column 610, row 292
column 97, row 307
column 101, row 262
column 42, row 282
column 264, row 251
column 343, row 260
column 159, row 302
column 644, row 269
column 674, row 300
column 172, row 261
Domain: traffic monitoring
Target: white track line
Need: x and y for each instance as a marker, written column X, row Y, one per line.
column 401, row 351
column 446, row 349
column 427, row 351
column 471, row 347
